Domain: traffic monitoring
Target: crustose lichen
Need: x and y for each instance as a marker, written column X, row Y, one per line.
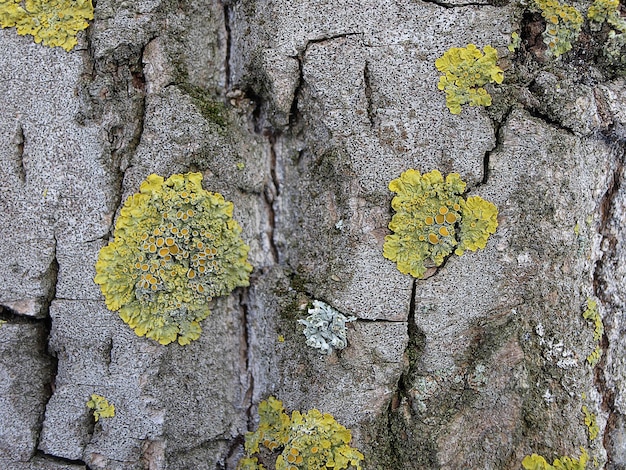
column 325, row 328
column 176, row 247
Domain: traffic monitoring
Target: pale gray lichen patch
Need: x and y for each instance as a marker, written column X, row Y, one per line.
column 325, row 328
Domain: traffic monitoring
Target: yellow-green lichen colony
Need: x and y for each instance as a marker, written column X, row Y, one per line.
column 466, row 71
column 563, row 25
column 51, row 22
column 309, row 441
column 176, row 247
column 101, row 407
column 537, row 462
column 591, row 313
column 432, row 220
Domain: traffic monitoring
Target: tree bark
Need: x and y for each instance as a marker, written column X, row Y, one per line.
column 301, row 113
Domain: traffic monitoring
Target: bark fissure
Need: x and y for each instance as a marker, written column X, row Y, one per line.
column 602, row 272
column 368, row 94
column 460, row 5
column 19, row 156
column 270, row 193
column 226, row 12
column 60, row 460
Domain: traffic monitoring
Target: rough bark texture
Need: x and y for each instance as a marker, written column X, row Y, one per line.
column 301, row 113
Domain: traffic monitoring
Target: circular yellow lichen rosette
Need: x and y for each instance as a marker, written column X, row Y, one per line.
column 176, row 247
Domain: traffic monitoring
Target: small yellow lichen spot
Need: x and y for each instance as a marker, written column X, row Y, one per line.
column 51, row 22
column 281, row 339
column 591, row 423
column 101, row 407
column 466, row 71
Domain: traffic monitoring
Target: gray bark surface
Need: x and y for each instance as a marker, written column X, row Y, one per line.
column 301, row 113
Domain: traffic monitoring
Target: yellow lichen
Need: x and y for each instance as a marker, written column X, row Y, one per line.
column 101, row 407
column 310, row 441
column 176, row 247
column 591, row 423
column 592, row 313
column 432, row 220
column 563, row 25
column 537, row 462
column 52, row 22
column 466, row 71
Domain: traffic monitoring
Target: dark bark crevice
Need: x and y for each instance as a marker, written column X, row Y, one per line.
column 60, row 460
column 227, row 30
column 604, row 270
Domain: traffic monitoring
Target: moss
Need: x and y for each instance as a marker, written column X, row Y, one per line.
column 563, row 25
column 211, row 110
column 537, row 462
column 432, row 220
column 51, row 22
column 466, row 71
column 312, row 440
column 176, row 247
column 101, row 407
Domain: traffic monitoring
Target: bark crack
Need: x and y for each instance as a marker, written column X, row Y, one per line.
column 601, row 278
column 19, row 141
column 226, row 10
column 461, row 5
column 60, row 460
column 270, row 193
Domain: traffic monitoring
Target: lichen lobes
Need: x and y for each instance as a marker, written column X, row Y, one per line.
column 52, row 22
column 466, row 71
column 432, row 220
column 176, row 247
column 312, row 440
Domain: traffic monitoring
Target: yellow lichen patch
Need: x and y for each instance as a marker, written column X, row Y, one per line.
column 466, row 71
column 51, row 22
column 564, row 23
column 163, row 293
column 101, row 407
column 456, row 223
column 590, row 421
column 592, row 313
column 479, row 220
column 537, row 462
column 309, row 441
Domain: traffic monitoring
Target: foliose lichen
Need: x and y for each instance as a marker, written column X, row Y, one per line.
column 537, row 462
column 591, row 422
column 311, row 441
column 608, row 11
column 433, row 219
column 563, row 25
column 51, row 22
column 325, row 328
column 516, row 41
column 466, row 71
column 176, row 247
column 591, row 313
column 101, row 407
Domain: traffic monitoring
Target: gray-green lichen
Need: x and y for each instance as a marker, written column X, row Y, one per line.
column 325, row 328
